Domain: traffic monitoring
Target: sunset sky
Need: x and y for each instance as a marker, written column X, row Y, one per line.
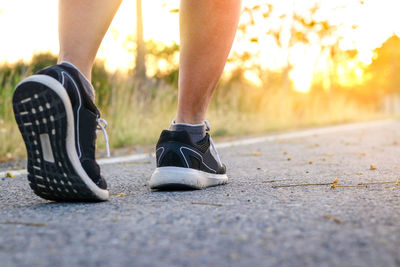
column 24, row 32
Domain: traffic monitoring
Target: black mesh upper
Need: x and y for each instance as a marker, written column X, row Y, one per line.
column 176, row 149
column 85, row 127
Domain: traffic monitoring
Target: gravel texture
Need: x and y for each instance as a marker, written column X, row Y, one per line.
column 245, row 223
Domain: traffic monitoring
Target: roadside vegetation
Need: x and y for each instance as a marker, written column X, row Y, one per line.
column 136, row 116
column 249, row 100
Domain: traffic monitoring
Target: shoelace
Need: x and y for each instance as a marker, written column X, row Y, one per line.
column 102, row 125
column 212, row 143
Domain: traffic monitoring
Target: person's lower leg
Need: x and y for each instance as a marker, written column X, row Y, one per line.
column 207, row 30
column 82, row 25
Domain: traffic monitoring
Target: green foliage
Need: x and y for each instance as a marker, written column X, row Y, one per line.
column 41, row 61
column 103, row 84
column 10, row 76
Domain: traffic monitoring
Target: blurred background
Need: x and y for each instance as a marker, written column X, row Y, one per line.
column 293, row 64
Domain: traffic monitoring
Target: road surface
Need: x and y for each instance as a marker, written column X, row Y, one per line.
column 249, row 222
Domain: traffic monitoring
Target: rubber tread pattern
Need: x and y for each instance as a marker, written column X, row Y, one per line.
column 45, row 113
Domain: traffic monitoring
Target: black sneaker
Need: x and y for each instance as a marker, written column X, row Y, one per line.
column 183, row 164
column 58, row 121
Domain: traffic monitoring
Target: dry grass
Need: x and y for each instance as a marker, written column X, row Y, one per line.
column 137, row 117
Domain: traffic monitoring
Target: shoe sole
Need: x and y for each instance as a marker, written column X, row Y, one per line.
column 178, row 178
column 44, row 115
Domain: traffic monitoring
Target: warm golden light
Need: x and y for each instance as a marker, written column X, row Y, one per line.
column 33, row 32
column 293, row 64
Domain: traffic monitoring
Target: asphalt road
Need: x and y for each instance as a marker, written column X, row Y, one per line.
column 248, row 222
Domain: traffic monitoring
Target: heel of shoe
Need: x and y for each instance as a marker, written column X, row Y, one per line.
column 44, row 119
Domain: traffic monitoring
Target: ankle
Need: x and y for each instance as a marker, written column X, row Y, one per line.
column 184, row 118
column 84, row 68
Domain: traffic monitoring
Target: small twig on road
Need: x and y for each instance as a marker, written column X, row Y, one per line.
column 332, row 218
column 305, row 184
column 207, row 204
column 387, row 182
column 26, row 223
column 273, row 181
column 335, row 186
column 396, row 182
column 293, row 185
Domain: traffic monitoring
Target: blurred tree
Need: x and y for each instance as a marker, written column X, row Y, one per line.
column 288, row 28
column 164, row 61
column 161, row 59
column 384, row 70
column 140, row 69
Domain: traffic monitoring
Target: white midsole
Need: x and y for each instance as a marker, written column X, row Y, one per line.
column 186, row 176
column 58, row 88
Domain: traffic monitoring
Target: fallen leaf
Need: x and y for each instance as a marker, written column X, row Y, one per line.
column 336, row 181
column 284, row 153
column 256, row 154
column 289, row 159
column 120, row 195
column 363, row 154
column 323, row 159
column 372, row 167
column 10, row 175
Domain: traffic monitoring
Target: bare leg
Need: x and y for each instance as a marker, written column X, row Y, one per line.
column 207, row 30
column 82, row 25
